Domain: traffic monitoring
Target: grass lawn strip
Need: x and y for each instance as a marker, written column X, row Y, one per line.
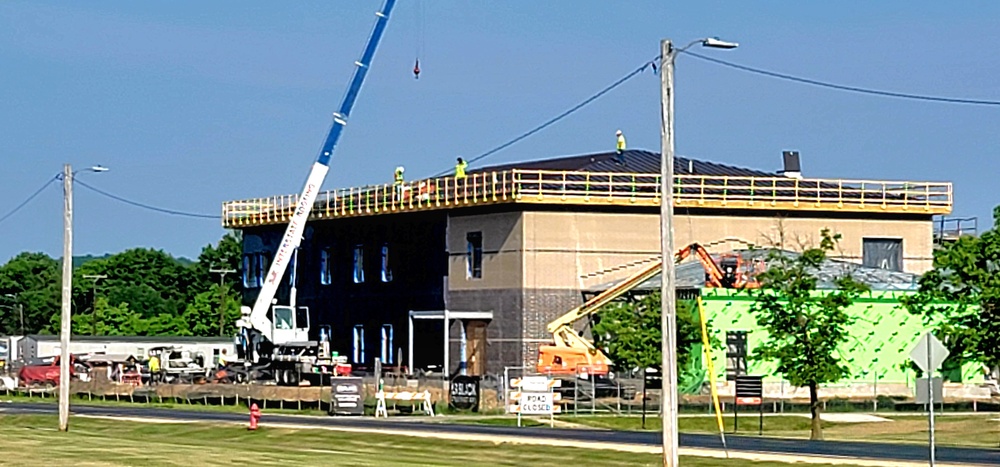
column 31, row 440
column 579, row 446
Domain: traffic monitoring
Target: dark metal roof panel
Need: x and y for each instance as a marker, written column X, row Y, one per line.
column 636, row 161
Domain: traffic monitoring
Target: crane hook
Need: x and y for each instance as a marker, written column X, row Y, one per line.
column 416, row 70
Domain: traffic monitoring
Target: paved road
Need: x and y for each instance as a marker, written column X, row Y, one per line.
column 898, row 452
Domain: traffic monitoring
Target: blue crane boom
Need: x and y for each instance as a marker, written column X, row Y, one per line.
column 255, row 320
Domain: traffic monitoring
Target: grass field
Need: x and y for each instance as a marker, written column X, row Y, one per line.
column 34, row 440
column 950, row 430
column 953, row 430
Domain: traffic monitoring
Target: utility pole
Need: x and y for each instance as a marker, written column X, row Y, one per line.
column 668, row 318
column 668, row 304
column 222, row 296
column 67, row 297
column 93, row 301
column 67, row 292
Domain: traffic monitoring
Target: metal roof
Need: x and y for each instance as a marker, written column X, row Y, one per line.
column 636, row 161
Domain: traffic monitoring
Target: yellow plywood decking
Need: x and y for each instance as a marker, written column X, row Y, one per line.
column 607, row 189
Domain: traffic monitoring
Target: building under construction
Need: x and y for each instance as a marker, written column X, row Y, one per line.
column 499, row 254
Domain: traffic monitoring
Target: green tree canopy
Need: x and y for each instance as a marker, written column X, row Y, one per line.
column 30, row 281
column 804, row 328
column 145, row 292
column 966, row 273
column 629, row 332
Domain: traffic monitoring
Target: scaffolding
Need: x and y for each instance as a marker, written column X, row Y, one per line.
column 603, row 188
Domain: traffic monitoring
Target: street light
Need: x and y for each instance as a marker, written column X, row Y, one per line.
column 67, row 290
column 668, row 318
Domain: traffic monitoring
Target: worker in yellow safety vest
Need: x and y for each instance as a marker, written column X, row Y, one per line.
column 460, row 168
column 620, row 148
column 397, row 182
column 398, row 176
column 154, row 369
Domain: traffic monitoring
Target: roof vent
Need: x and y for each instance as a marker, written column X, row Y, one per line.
column 793, row 167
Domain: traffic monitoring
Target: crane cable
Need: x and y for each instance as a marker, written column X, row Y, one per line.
column 419, row 40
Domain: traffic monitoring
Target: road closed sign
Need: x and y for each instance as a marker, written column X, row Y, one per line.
column 536, row 403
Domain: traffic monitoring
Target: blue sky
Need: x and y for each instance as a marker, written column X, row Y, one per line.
column 194, row 103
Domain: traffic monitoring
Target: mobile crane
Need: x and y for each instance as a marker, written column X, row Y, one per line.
column 572, row 354
column 274, row 339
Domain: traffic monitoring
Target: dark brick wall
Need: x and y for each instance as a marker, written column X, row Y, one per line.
column 419, row 263
column 542, row 306
column 503, row 334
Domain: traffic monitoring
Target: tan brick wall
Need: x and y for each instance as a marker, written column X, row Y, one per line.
column 565, row 250
column 503, row 242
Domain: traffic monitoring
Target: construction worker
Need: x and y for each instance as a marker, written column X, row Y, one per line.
column 223, row 360
column 154, row 369
column 460, row 168
column 398, row 176
column 620, row 148
column 398, row 182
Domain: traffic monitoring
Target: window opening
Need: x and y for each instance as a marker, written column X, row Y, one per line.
column 474, row 255
column 359, row 264
column 386, row 270
column 387, row 343
column 325, row 267
column 359, row 344
column 882, row 253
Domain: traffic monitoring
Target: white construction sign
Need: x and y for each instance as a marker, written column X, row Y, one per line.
column 534, row 403
column 534, row 395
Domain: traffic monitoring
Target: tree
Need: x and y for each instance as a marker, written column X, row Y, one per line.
column 629, row 333
column 224, row 255
column 804, row 328
column 34, row 279
column 966, row 274
column 202, row 315
column 146, row 292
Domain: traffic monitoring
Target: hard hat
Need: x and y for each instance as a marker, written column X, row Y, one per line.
column 619, row 132
column 399, row 169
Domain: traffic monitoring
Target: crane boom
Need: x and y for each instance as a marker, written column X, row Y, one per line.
column 257, row 318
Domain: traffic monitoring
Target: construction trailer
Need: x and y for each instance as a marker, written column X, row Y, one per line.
column 32, row 348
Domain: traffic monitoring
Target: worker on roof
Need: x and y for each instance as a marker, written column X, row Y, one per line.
column 397, row 182
column 620, row 147
column 460, row 168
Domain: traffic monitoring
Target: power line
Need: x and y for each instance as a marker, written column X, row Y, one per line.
column 146, row 206
column 562, row 115
column 841, row 87
column 28, row 200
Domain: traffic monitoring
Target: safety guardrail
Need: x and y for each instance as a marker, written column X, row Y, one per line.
column 574, row 187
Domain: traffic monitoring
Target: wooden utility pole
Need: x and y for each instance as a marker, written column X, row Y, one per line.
column 93, row 301
column 668, row 315
column 67, row 298
column 222, row 296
